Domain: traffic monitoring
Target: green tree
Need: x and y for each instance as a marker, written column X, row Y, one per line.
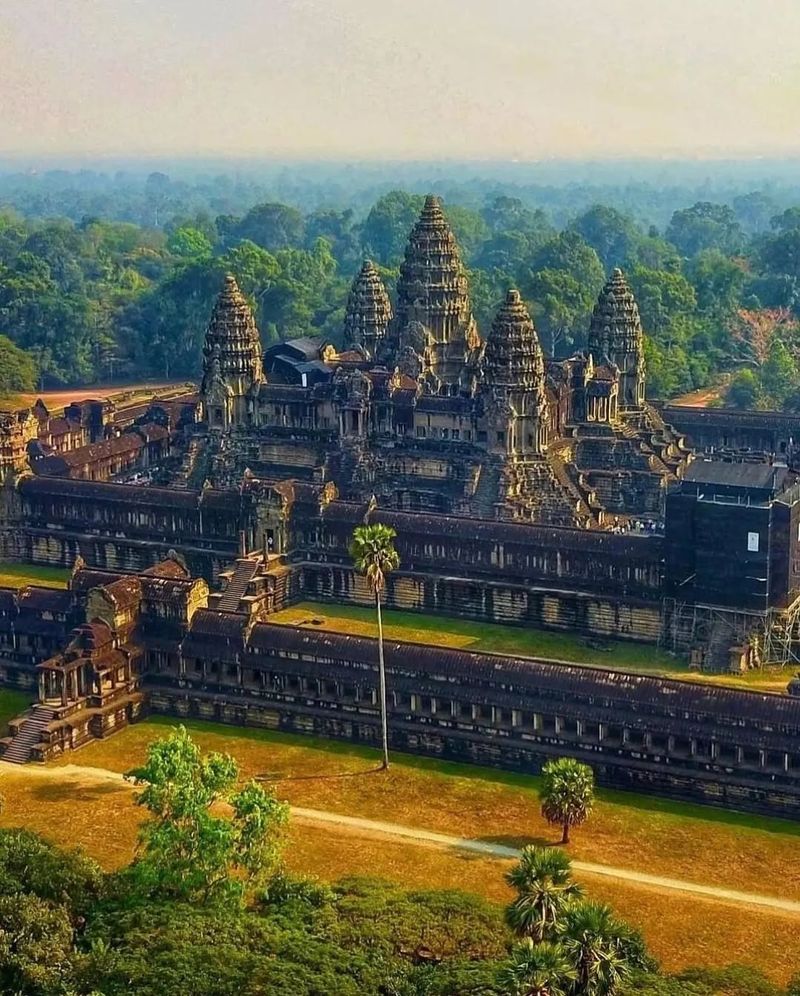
column 778, row 374
column 374, row 555
column 567, row 794
column 189, row 243
column 544, row 885
column 705, row 226
column 543, row 969
column 718, row 282
column 596, row 939
column 18, row 370
column 272, row 226
column 31, row 865
column 744, row 390
column 613, row 235
column 187, row 850
column 386, row 228
column 35, row 945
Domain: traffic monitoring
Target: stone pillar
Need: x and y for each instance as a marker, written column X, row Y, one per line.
column 42, row 687
column 601, row 731
column 516, row 717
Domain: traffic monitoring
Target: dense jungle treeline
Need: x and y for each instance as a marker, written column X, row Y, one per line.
column 112, row 276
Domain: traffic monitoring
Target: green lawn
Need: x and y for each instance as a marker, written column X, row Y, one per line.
column 468, row 634
column 12, row 703
column 18, row 575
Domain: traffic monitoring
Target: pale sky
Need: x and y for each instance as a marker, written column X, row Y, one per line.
column 463, row 79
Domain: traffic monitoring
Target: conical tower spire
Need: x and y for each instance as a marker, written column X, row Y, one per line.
column 433, row 293
column 368, row 312
column 232, row 334
column 615, row 333
column 513, row 358
column 513, row 383
column 232, row 363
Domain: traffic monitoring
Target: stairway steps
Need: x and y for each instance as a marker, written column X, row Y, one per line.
column 242, row 576
column 29, row 733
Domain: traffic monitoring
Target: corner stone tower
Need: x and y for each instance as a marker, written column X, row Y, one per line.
column 232, row 366
column 368, row 312
column 513, row 384
column 615, row 334
column 434, row 318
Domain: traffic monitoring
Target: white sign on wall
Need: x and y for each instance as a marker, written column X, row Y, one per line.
column 752, row 542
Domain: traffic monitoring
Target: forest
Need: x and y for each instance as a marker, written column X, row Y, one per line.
column 111, row 277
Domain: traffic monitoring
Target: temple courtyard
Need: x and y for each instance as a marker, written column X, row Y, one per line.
column 70, row 799
column 481, row 637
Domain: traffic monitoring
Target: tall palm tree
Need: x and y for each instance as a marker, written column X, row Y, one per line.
column 596, row 941
column 545, row 887
column 374, row 555
column 538, row 970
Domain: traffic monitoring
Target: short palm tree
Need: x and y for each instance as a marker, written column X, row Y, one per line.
column 374, row 555
column 567, row 794
column 595, row 940
column 538, row 970
column 545, row 887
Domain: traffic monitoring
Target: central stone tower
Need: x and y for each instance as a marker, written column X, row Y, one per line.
column 434, row 329
column 513, row 383
column 232, row 365
column 615, row 334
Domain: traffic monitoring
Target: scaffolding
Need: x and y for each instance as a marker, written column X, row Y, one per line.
column 772, row 634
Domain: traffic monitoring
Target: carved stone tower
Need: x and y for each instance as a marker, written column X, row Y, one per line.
column 232, row 367
column 368, row 313
column 513, row 383
column 434, row 317
column 615, row 334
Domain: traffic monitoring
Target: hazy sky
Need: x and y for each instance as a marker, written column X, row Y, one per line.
column 477, row 79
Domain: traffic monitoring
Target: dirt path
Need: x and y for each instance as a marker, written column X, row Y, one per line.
column 427, row 838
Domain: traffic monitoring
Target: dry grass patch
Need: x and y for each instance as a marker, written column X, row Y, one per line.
column 647, row 834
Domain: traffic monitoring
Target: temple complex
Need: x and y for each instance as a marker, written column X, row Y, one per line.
column 523, row 490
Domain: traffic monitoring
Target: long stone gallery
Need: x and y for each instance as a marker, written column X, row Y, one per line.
column 523, row 491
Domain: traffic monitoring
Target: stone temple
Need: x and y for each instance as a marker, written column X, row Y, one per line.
column 526, row 491
column 421, row 412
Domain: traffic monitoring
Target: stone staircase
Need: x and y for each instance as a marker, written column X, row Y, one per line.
column 487, row 492
column 541, row 496
column 243, row 574
column 28, row 735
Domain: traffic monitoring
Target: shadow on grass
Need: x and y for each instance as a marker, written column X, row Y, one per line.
column 68, row 791
column 274, row 776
